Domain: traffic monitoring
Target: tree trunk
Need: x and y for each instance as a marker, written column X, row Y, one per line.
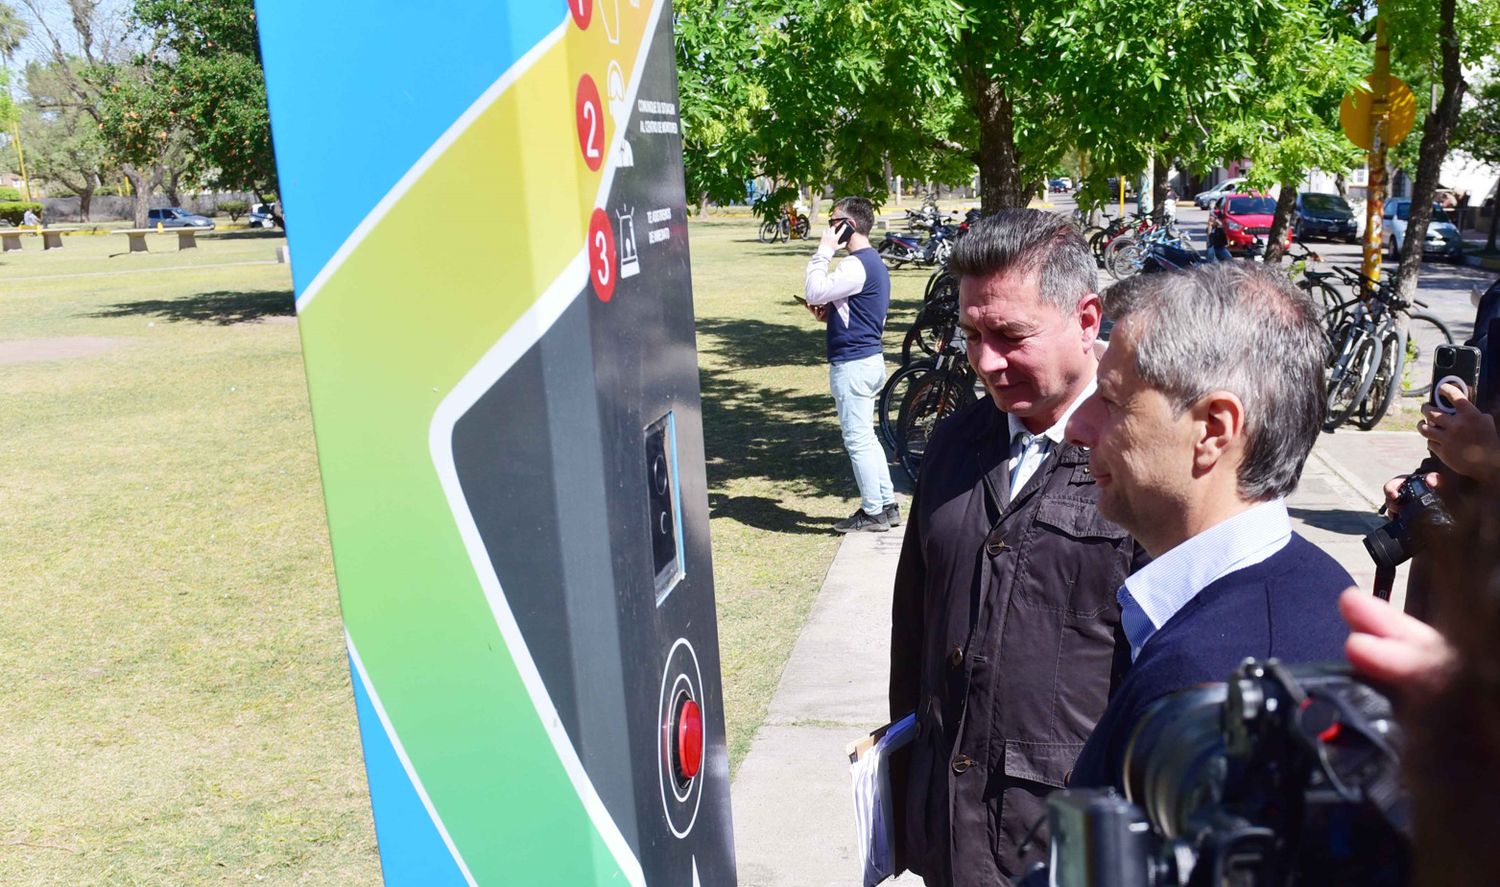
column 999, row 163
column 169, row 185
column 1341, row 185
column 141, row 187
column 1436, row 131
column 1285, row 202
column 86, row 199
column 1489, row 245
column 1159, row 184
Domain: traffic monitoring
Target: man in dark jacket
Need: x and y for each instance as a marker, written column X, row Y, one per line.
column 1004, row 623
column 1194, row 441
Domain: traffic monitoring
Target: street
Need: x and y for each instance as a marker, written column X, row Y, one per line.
column 1445, row 288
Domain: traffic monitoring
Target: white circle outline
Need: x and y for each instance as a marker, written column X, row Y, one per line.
column 661, row 720
column 1458, row 383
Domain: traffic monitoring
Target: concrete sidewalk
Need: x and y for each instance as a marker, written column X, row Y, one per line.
column 793, row 812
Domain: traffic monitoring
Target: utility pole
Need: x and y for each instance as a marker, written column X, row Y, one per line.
column 1379, row 118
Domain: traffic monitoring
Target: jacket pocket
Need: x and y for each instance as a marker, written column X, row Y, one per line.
column 1079, row 519
column 1045, row 762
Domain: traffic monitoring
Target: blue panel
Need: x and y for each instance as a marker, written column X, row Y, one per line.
column 411, row 849
column 358, row 101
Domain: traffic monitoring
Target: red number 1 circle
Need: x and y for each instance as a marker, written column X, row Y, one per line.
column 590, row 123
column 601, row 250
column 583, row 12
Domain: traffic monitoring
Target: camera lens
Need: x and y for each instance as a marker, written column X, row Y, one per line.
column 1387, row 546
column 1174, row 764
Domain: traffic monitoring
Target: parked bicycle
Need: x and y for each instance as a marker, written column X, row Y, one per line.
column 788, row 225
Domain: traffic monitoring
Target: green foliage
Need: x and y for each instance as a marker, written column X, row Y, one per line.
column 233, row 208
column 15, row 211
column 9, row 195
column 63, row 142
column 205, row 71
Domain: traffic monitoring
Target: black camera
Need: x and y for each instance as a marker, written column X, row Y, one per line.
column 1419, row 514
column 1281, row 776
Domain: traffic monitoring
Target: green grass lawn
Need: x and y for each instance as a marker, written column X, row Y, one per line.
column 178, row 706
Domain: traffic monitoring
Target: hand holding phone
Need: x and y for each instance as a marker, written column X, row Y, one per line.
column 1456, row 365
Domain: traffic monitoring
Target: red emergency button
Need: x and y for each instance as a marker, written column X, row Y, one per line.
column 689, row 740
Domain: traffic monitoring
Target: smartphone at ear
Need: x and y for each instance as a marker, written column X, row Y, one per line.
column 846, row 231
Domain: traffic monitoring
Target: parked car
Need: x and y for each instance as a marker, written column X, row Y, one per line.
column 177, row 217
column 263, row 215
column 1325, row 215
column 1204, row 199
column 1443, row 239
column 1060, row 185
column 1247, row 219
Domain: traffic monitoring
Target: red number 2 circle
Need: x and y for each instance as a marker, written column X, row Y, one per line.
column 601, row 250
column 590, row 123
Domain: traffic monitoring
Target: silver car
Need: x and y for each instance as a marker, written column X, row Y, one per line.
column 1443, row 239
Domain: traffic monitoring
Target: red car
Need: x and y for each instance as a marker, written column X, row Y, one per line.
column 1247, row 218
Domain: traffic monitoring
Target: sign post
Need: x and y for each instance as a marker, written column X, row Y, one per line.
column 496, row 314
column 1375, row 120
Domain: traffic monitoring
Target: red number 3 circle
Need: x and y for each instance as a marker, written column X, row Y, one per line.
column 601, row 250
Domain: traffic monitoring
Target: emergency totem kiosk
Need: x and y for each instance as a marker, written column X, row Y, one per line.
column 485, row 206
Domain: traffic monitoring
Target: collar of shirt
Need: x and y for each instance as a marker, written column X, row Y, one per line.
column 1057, row 433
column 1154, row 594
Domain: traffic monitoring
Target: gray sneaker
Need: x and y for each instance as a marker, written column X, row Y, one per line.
column 893, row 514
column 859, row 522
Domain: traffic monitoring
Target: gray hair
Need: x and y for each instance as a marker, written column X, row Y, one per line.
column 1026, row 240
column 1236, row 327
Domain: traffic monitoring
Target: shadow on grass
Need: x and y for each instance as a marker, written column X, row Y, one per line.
column 222, row 308
column 1338, row 520
column 786, row 438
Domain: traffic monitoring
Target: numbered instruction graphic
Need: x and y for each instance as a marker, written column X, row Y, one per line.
column 491, row 264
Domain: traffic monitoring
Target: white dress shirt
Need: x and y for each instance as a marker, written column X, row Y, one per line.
column 1028, row 451
column 1158, row 590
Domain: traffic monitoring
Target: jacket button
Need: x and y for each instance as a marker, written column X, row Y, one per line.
column 996, row 547
column 962, row 763
column 957, row 656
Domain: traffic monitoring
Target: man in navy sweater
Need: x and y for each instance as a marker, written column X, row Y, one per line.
column 853, row 300
column 1209, row 399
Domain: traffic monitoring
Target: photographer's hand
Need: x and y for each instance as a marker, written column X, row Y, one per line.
column 1466, row 440
column 1392, row 489
column 1388, row 646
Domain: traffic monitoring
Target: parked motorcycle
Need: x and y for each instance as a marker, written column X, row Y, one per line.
column 903, row 249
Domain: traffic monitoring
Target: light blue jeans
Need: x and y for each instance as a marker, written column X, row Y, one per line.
column 856, row 385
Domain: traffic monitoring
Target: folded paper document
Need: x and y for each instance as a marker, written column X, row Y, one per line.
column 870, row 767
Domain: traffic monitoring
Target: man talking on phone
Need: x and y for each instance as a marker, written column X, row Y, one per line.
column 852, row 299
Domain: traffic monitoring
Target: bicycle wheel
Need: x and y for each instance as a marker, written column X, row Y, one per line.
column 769, row 232
column 931, row 334
column 888, row 404
column 1350, row 380
column 799, row 230
column 941, row 287
column 1423, row 334
column 1383, row 390
column 1122, row 257
column 930, row 400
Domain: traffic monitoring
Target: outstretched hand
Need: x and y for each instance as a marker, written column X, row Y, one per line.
column 1388, row 646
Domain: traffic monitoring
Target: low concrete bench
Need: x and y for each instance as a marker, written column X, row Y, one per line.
column 10, row 238
column 187, row 238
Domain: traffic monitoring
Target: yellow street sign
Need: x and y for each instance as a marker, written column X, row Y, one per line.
column 1354, row 113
